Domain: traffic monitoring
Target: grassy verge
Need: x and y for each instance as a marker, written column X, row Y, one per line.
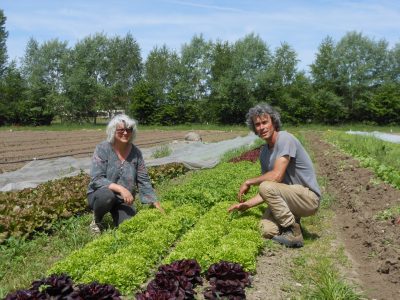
column 319, row 266
column 22, row 261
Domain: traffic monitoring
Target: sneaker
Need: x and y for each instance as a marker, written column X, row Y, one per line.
column 94, row 228
column 290, row 237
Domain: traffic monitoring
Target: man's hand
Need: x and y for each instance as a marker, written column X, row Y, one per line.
column 244, row 188
column 238, row 206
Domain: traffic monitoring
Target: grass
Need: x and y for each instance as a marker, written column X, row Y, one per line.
column 23, row 261
column 318, row 265
column 389, row 213
column 101, row 123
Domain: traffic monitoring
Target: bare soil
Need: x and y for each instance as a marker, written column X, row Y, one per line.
column 20, row 147
column 372, row 245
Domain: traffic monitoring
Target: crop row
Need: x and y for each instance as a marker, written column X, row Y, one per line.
column 220, row 236
column 380, row 156
column 196, row 219
column 23, row 212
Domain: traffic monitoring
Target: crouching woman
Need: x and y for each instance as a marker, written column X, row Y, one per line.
column 117, row 169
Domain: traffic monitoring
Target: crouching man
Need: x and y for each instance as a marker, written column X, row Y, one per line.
column 288, row 182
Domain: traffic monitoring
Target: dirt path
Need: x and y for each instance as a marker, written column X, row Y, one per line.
column 373, row 246
column 19, row 147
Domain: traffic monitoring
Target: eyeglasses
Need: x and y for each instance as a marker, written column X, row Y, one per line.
column 122, row 130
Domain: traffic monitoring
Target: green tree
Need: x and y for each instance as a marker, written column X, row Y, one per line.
column 195, row 84
column 3, row 40
column 86, row 78
column 285, row 64
column 361, row 62
column 329, row 108
column 324, row 70
column 12, row 94
column 162, row 72
column 41, row 68
column 385, row 104
column 143, row 100
column 122, row 71
column 235, row 75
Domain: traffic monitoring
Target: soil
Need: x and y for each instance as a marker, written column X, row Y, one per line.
column 20, row 147
column 372, row 246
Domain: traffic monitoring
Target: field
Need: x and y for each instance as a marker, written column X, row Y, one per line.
column 19, row 147
column 351, row 244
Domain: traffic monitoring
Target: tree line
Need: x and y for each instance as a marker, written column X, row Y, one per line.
column 353, row 79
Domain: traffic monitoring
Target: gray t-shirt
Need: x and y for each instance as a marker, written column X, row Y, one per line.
column 300, row 169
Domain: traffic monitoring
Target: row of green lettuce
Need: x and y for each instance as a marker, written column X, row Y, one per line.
column 26, row 211
column 382, row 157
column 196, row 225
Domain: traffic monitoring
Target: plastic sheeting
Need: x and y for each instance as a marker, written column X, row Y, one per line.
column 393, row 138
column 194, row 155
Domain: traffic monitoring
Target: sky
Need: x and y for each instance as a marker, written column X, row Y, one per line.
column 302, row 24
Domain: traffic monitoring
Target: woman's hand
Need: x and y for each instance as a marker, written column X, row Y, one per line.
column 126, row 195
column 158, row 206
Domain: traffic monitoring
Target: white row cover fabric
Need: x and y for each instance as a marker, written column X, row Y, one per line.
column 393, row 138
column 194, row 155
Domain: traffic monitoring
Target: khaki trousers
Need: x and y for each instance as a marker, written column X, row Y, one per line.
column 285, row 204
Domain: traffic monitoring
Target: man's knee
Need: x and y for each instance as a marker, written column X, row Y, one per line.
column 268, row 189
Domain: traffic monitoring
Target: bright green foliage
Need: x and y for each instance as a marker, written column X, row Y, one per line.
column 221, row 236
column 125, row 257
column 211, row 186
column 376, row 154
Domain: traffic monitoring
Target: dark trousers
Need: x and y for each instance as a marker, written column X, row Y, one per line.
column 104, row 200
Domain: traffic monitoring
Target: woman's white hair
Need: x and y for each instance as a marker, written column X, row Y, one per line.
column 126, row 121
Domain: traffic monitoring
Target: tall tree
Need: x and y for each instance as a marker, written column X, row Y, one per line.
column 86, row 78
column 12, row 91
column 285, row 64
column 361, row 62
column 235, row 76
column 196, row 60
column 324, row 69
column 123, row 71
column 162, row 73
column 3, row 40
column 41, row 68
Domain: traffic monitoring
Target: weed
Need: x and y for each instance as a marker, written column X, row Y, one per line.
column 162, row 151
column 389, row 213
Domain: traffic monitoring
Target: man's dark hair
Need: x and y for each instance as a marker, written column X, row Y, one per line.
column 262, row 109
